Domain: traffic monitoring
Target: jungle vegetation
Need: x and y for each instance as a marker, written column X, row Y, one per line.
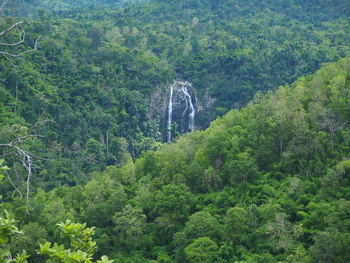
column 82, row 147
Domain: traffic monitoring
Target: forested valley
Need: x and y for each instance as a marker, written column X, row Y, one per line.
column 175, row 131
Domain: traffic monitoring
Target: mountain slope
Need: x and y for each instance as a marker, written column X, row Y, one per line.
column 102, row 75
column 269, row 183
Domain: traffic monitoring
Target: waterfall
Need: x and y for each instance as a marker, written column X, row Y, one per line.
column 184, row 112
column 180, row 108
column 189, row 103
column 170, row 111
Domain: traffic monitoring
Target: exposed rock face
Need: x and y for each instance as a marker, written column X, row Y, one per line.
column 181, row 109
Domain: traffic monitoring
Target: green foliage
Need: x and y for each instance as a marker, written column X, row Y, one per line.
column 8, row 229
column 130, row 223
column 81, row 248
column 202, row 222
column 267, row 183
column 102, row 71
column 299, row 255
column 236, row 224
column 173, row 201
column 3, row 168
column 202, row 249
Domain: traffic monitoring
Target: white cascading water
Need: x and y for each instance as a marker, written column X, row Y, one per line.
column 188, row 97
column 170, row 111
column 189, row 106
column 184, row 112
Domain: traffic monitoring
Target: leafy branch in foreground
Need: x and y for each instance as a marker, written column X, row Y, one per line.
column 8, row 229
column 82, row 246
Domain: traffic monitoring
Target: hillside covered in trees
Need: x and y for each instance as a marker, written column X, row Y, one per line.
column 101, row 75
column 269, row 183
column 83, row 124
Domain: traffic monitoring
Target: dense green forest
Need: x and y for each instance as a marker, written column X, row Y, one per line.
column 268, row 183
column 101, row 74
column 30, row 8
column 83, row 121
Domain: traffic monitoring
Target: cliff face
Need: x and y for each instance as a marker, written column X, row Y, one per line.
column 176, row 105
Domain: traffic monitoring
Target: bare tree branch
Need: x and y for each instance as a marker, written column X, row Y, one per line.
column 21, row 40
column 16, row 97
column 22, row 138
column 14, row 186
column 22, row 37
column 3, row 5
column 27, row 162
column 13, row 65
column 25, row 157
column 40, row 123
column 22, row 53
column 11, row 27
